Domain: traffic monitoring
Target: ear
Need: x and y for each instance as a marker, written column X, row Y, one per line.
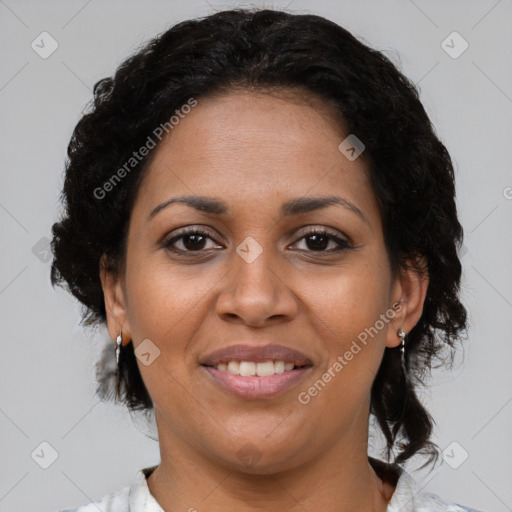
column 409, row 291
column 115, row 302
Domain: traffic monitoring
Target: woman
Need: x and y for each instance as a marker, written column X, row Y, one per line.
column 259, row 209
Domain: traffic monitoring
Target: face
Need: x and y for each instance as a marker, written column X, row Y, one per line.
column 312, row 280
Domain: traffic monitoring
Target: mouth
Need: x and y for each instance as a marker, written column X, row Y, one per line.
column 256, row 372
column 259, row 369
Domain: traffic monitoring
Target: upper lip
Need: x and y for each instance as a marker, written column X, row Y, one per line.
column 255, row 353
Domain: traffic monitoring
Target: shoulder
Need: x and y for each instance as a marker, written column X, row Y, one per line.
column 135, row 497
column 116, row 501
column 408, row 497
column 428, row 501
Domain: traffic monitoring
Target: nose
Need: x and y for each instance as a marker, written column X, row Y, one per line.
column 255, row 292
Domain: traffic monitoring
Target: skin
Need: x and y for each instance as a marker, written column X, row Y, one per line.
column 255, row 151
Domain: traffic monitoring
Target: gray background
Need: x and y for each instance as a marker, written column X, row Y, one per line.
column 46, row 373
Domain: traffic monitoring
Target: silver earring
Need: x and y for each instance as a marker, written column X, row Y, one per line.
column 401, row 334
column 119, row 341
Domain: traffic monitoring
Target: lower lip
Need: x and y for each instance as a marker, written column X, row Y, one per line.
column 253, row 388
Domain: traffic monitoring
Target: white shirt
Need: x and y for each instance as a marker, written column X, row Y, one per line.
column 136, row 498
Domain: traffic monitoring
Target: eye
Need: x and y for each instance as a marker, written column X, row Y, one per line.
column 195, row 240
column 318, row 239
column 191, row 240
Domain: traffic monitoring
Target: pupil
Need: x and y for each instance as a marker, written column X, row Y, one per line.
column 194, row 244
column 316, row 238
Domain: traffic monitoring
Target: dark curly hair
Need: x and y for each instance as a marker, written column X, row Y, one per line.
column 410, row 170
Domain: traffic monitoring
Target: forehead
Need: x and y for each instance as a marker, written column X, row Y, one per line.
column 255, row 150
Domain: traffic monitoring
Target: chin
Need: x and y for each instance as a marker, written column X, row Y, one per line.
column 258, row 456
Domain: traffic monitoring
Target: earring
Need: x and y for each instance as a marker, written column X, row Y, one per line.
column 119, row 341
column 401, row 334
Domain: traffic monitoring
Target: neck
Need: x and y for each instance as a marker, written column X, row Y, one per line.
column 340, row 480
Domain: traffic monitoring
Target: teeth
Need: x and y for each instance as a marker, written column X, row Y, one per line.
column 247, row 369
column 264, row 369
column 234, row 367
column 250, row 368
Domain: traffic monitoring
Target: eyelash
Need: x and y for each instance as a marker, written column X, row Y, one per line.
column 342, row 244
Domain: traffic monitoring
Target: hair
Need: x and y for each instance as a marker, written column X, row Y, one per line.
column 410, row 172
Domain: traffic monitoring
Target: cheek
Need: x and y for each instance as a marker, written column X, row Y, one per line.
column 355, row 311
column 348, row 315
column 165, row 307
column 162, row 299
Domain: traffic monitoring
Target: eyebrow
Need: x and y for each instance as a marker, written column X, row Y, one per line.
column 292, row 207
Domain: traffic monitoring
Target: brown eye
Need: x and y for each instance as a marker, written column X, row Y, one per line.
column 193, row 240
column 318, row 240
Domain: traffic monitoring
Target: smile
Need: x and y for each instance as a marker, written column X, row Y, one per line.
column 253, row 381
column 249, row 368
